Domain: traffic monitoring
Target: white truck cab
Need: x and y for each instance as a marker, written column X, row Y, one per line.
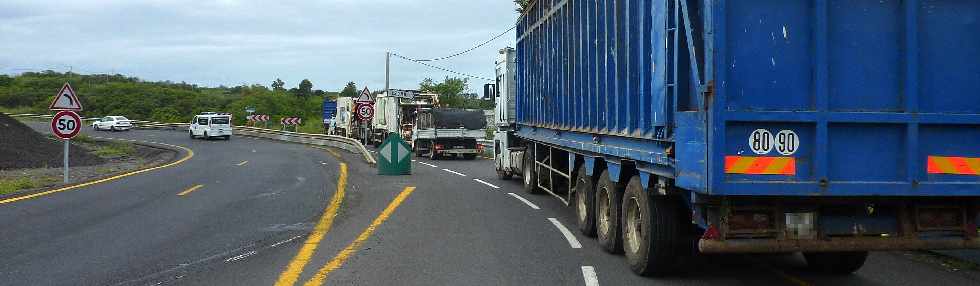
column 210, row 125
column 507, row 162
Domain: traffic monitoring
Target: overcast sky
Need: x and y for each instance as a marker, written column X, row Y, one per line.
column 231, row 42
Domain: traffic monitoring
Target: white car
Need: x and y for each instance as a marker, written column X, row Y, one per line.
column 210, row 125
column 112, row 123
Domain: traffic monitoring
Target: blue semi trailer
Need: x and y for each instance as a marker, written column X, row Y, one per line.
column 826, row 127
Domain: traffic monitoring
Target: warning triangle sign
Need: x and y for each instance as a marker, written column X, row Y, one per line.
column 365, row 96
column 66, row 99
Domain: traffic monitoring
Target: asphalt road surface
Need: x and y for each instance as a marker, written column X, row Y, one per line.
column 297, row 215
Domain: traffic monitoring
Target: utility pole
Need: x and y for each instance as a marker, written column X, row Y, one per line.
column 387, row 71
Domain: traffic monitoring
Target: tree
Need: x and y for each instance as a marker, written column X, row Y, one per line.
column 449, row 91
column 305, row 88
column 521, row 5
column 278, row 85
column 350, row 90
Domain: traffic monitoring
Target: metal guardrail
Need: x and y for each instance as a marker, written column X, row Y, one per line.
column 345, row 143
column 45, row 116
column 351, row 145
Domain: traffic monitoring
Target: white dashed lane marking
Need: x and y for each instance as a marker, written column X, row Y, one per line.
column 485, row 183
column 526, row 202
column 591, row 278
column 454, row 172
column 284, row 241
column 572, row 241
column 427, row 164
column 240, row 257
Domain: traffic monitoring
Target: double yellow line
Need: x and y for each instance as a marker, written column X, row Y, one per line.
column 291, row 274
column 295, row 267
column 337, row 261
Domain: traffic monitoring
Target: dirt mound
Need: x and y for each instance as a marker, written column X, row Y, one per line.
column 22, row 147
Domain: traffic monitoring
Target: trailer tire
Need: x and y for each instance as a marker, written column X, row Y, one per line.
column 418, row 148
column 652, row 231
column 433, row 155
column 840, row 263
column 585, row 203
column 530, row 177
column 608, row 200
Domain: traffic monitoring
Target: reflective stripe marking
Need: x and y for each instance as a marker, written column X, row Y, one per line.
column 760, row 165
column 953, row 165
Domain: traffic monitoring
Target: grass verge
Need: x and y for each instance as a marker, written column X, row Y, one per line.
column 114, row 150
column 16, row 184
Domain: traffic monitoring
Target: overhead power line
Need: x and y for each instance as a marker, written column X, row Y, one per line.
column 424, row 62
column 439, row 68
column 470, row 49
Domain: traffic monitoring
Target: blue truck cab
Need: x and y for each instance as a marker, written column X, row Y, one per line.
column 826, row 127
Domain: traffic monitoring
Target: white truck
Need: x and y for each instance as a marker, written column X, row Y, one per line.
column 344, row 118
column 396, row 113
column 506, row 163
column 387, row 114
column 439, row 132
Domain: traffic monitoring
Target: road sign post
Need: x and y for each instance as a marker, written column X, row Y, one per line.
column 65, row 125
column 394, row 156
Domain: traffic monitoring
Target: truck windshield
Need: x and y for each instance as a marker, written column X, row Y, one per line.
column 220, row 120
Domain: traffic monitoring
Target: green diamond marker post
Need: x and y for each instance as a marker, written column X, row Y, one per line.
column 394, row 157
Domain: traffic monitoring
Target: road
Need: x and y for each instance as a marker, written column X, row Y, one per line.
column 295, row 215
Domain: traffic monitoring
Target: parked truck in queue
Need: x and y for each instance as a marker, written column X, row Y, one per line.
column 748, row 127
column 443, row 132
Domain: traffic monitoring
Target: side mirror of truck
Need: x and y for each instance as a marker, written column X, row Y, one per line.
column 489, row 91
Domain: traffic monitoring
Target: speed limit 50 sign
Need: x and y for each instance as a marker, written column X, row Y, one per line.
column 66, row 124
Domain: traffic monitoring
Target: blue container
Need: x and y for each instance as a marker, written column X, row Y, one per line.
column 329, row 108
column 761, row 97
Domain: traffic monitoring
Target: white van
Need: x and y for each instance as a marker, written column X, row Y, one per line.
column 210, row 125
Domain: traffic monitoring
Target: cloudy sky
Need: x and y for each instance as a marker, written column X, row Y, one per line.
column 231, row 42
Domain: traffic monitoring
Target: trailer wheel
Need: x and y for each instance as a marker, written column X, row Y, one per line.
column 530, row 176
column 607, row 200
column 840, row 263
column 652, row 231
column 585, row 203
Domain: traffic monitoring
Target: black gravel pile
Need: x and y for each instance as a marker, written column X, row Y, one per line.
column 22, row 147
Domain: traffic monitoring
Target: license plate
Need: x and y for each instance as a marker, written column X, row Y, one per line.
column 459, row 147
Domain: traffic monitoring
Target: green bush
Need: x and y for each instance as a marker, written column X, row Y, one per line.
column 16, row 184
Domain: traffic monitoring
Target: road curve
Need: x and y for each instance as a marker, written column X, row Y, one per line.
column 139, row 230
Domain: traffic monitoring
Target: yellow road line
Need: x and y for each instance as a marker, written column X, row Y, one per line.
column 792, row 279
column 242, row 163
column 188, row 191
column 782, row 274
column 295, row 267
column 341, row 257
column 189, row 155
column 331, row 151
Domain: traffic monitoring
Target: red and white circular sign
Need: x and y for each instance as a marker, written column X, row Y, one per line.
column 365, row 111
column 66, row 124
